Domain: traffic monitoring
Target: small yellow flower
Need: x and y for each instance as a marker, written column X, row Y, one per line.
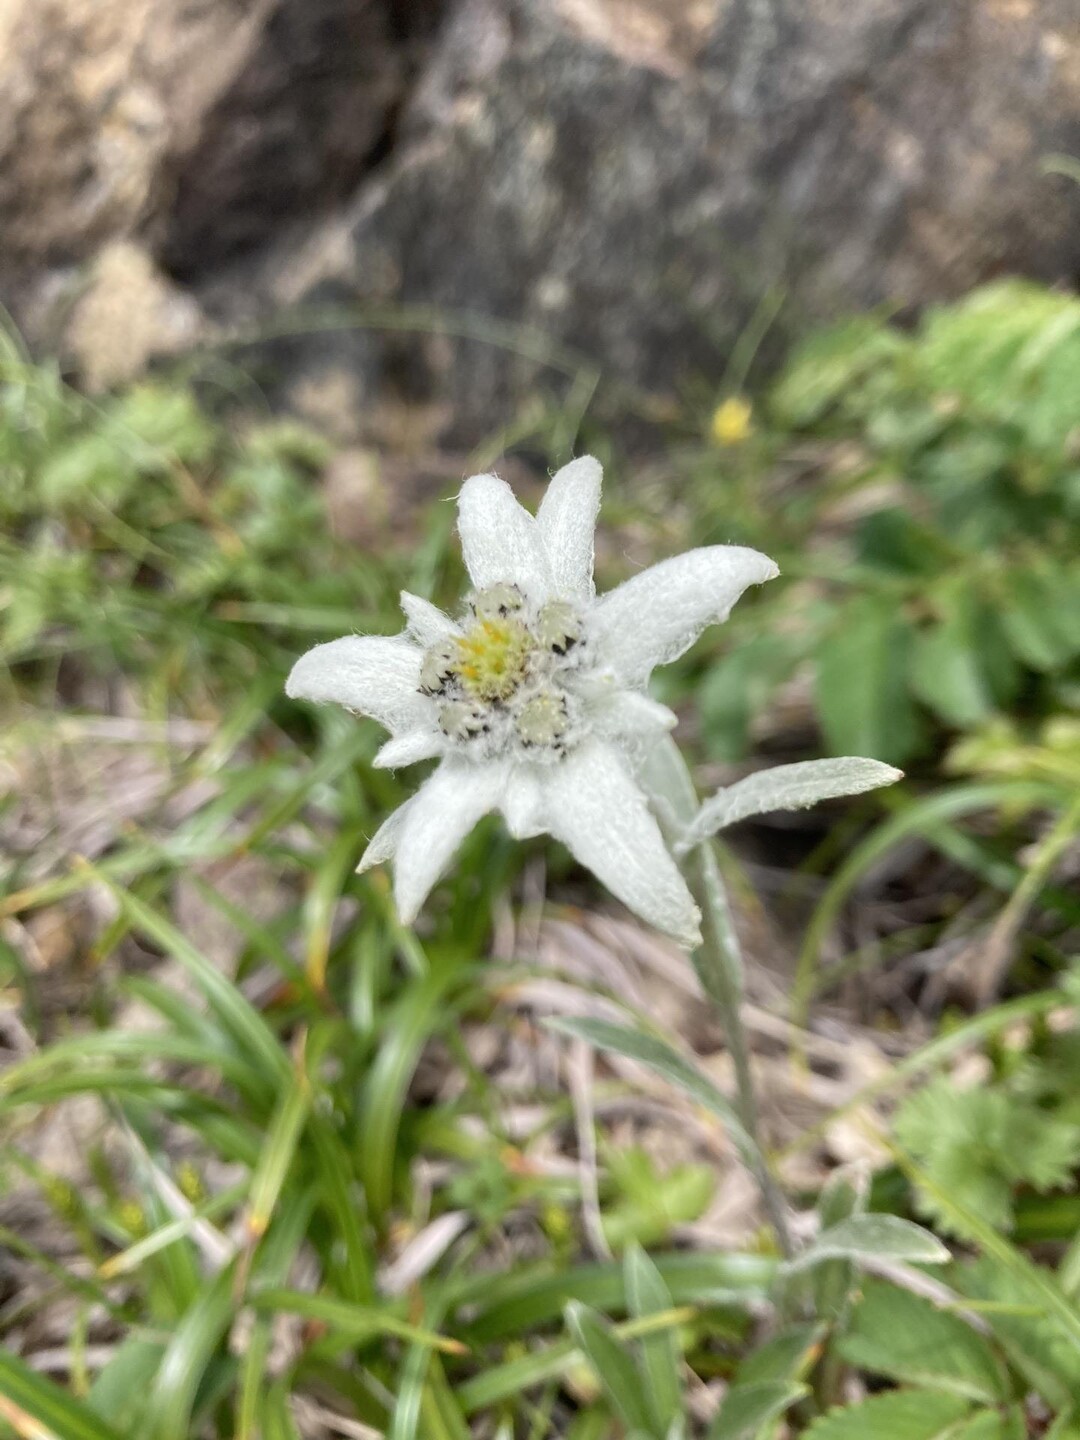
column 732, row 421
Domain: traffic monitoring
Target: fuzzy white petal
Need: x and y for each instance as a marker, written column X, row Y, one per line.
column 566, row 522
column 408, row 749
column 499, row 539
column 440, row 815
column 594, row 807
column 630, row 716
column 374, row 675
column 383, row 844
column 426, row 622
column 653, row 617
column 523, row 803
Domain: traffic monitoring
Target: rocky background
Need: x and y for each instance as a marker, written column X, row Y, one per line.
column 470, row 199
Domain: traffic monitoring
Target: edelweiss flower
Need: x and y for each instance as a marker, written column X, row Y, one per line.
column 535, row 698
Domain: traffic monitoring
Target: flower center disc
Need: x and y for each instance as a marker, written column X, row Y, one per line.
column 492, row 658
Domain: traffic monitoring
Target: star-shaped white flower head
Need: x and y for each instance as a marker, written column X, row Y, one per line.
column 534, row 699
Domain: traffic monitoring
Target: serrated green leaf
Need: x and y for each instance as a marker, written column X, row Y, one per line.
column 903, row 1336
column 1007, row 1424
column 739, row 686
column 897, row 1415
column 825, row 367
column 651, row 1203
column 892, row 539
column 1031, row 622
column 977, row 1143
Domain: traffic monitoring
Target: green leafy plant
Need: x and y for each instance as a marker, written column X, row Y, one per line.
column 944, row 587
column 980, row 1144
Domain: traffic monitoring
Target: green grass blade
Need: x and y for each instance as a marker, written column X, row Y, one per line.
column 282, row 1138
column 648, row 1295
column 352, row 1323
column 524, row 1301
column 420, row 1012
column 35, row 1406
column 242, row 1021
column 198, row 1337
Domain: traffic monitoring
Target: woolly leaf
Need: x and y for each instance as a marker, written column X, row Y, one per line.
column 869, row 1238
column 789, row 787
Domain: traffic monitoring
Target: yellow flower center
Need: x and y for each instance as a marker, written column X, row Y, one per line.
column 492, row 658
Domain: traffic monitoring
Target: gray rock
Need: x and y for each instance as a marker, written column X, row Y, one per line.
column 535, row 190
column 629, row 180
column 197, row 125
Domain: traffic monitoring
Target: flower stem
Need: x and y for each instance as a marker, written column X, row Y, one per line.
column 718, row 962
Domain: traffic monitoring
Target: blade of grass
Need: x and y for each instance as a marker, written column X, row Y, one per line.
column 242, row 1021
column 37, row 1408
column 196, row 1340
column 423, row 1009
column 351, row 1323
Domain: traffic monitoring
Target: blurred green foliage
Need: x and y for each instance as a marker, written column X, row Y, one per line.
column 139, row 537
column 921, row 490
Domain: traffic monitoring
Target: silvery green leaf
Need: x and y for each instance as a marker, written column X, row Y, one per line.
column 866, row 1239
column 788, row 787
column 748, row 1408
column 615, row 1365
column 661, row 1359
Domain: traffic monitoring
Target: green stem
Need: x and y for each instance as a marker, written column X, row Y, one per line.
column 718, row 962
